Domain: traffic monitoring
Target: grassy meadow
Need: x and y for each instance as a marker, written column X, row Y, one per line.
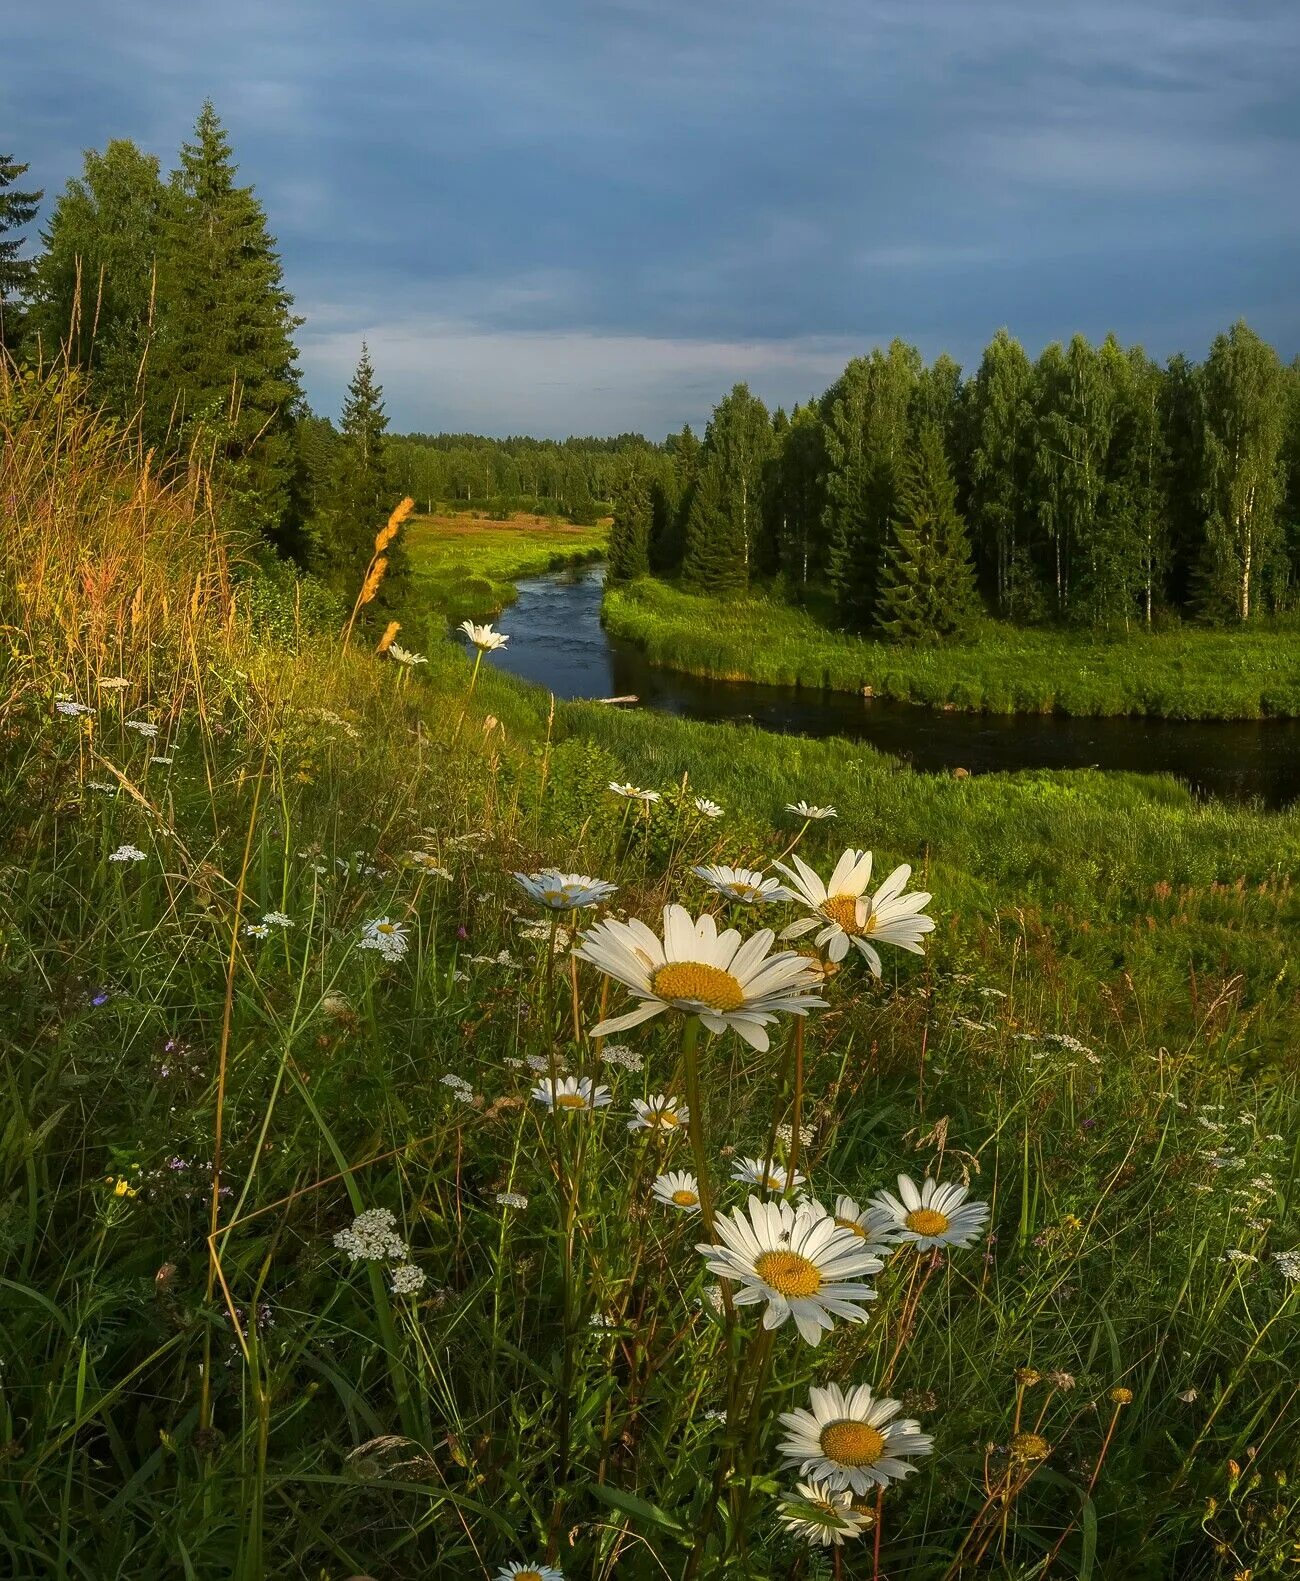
column 300, row 1278
column 464, row 566
column 1185, row 673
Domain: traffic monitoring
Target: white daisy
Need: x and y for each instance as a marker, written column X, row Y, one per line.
column 843, row 913
column 571, row 1092
column 677, row 1189
column 483, row 637
column 797, row 1260
column 873, row 1227
column 709, row 809
column 746, row 885
column 401, row 655
column 849, row 1439
column 703, row 972
column 391, row 939
column 758, row 1172
column 818, row 1514
column 564, row 891
column 929, row 1215
column 658, row 1112
column 518, row 1572
column 256, row 930
column 633, row 792
column 127, row 853
column 801, row 809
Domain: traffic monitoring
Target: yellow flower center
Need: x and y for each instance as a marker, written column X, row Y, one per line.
column 926, row 1221
column 685, row 1199
column 385, row 927
column 842, row 909
column 789, row 1274
column 851, row 1443
column 853, row 1227
column 665, row 1117
column 528, row 1575
column 571, row 1100
column 698, row 984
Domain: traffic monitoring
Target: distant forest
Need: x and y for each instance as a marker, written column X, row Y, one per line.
column 1091, row 486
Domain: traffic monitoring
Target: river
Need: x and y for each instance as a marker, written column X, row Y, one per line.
column 557, row 641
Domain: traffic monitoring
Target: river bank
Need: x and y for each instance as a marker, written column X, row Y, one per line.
column 1187, row 673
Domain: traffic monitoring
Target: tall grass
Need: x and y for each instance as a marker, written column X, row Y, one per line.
column 210, row 1071
column 1183, row 674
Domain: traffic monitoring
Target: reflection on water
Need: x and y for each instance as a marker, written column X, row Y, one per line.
column 557, row 641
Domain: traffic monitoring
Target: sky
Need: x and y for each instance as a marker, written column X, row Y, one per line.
column 594, row 216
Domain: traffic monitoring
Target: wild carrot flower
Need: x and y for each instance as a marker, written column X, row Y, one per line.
column 844, row 916
column 850, row 1439
column 929, row 1214
column 407, row 1279
column 143, row 727
column 70, row 709
column 702, row 972
column 372, row 1237
column 797, row 1260
column 127, row 853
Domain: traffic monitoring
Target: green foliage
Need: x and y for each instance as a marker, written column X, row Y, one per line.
column 714, row 561
column 17, row 208
column 927, row 585
column 629, row 535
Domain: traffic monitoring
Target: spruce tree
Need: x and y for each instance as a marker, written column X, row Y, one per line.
column 17, row 208
column 927, row 583
column 671, row 501
column 360, row 494
column 714, row 561
column 94, row 285
column 223, row 375
column 629, row 536
column 1001, row 420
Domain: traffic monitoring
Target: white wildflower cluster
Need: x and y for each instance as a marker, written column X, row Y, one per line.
column 372, row 1237
column 427, row 864
column 511, row 1199
column 127, row 853
column 406, row 1279
column 1288, row 1265
column 71, row 709
column 785, row 1135
column 143, row 727
column 459, row 1086
column 620, row 1054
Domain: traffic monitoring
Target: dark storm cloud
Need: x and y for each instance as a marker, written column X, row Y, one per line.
column 596, row 216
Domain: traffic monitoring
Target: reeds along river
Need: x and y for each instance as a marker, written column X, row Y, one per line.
column 557, row 641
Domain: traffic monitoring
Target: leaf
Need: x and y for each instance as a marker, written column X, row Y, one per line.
column 640, row 1510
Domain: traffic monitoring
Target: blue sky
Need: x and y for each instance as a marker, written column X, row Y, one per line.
column 595, row 215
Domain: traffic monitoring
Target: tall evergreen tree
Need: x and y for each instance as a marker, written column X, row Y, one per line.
column 223, row 368
column 714, row 561
column 628, row 556
column 927, row 583
column 94, row 289
column 671, row 501
column 1182, row 423
column 361, row 494
column 738, row 445
column 18, row 207
column 1245, row 414
column 799, row 496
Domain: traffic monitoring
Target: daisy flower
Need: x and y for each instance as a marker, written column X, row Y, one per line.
column 844, row 914
column 390, row 938
column 658, row 1112
column 818, row 1514
column 870, row 1225
column 518, row 1572
column 571, row 1092
column 633, row 792
column 564, row 891
column 929, row 1215
column 709, row 809
column 702, row 972
column 745, row 885
column 677, row 1189
column 797, row 1261
column 758, row 1172
column 256, row 930
column 851, row 1440
column 801, row 809
column 404, row 656
column 483, row 637
column 127, row 853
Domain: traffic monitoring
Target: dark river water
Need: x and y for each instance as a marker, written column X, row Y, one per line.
column 556, row 640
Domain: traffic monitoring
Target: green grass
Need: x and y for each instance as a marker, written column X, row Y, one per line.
column 1100, row 1037
column 465, row 566
column 1183, row 674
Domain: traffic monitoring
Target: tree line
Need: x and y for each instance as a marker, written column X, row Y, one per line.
column 1091, row 485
